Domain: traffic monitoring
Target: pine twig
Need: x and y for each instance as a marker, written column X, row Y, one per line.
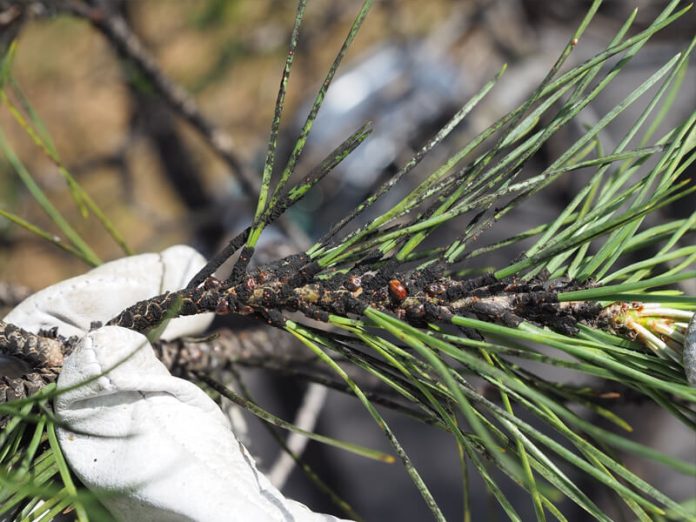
column 419, row 297
column 129, row 46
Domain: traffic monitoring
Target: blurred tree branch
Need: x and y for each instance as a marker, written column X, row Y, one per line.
column 12, row 294
column 121, row 37
column 260, row 348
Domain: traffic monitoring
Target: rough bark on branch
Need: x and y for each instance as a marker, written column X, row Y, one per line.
column 264, row 348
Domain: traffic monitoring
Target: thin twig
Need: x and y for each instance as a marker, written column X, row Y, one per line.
column 129, row 46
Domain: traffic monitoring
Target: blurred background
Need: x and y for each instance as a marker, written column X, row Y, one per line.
column 162, row 110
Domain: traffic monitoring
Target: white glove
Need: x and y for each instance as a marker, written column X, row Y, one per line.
column 157, row 446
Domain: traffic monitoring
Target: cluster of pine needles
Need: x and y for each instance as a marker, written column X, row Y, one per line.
column 620, row 324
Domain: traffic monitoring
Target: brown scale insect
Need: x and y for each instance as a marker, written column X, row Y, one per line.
column 353, row 283
column 211, row 283
column 435, row 289
column 269, row 299
column 397, row 290
column 223, row 307
column 415, row 312
column 245, row 310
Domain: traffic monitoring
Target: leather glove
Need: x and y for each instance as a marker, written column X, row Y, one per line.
column 152, row 446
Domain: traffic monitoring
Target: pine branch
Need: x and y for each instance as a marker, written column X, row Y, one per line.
column 256, row 348
column 416, row 323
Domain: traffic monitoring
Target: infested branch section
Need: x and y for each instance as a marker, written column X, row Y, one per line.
column 418, row 297
column 294, row 284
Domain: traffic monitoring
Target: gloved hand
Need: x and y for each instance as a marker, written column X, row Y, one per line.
column 157, row 446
